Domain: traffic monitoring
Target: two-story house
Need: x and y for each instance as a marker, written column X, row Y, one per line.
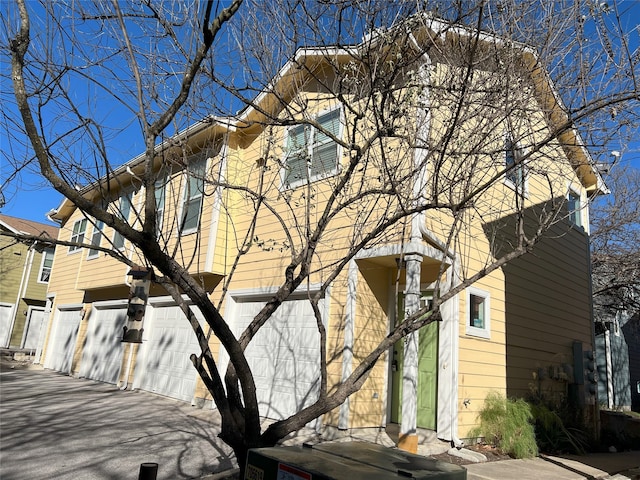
column 237, row 196
column 25, row 269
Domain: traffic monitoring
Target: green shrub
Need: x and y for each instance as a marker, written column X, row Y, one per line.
column 506, row 423
column 552, row 433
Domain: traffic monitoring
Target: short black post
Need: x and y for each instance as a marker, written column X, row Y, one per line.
column 148, row 471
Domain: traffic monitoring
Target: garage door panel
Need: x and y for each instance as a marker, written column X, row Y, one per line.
column 284, row 356
column 167, row 367
column 62, row 341
column 33, row 329
column 5, row 323
column 102, row 354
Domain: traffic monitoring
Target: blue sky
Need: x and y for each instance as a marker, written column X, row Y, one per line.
column 27, row 196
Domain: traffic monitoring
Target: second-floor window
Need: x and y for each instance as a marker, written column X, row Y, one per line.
column 515, row 175
column 124, row 209
column 193, row 194
column 47, row 263
column 311, row 154
column 96, row 237
column 77, row 234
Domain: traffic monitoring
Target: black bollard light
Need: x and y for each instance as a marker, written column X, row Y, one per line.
column 148, row 471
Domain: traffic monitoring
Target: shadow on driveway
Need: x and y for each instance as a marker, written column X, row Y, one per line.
column 58, row 427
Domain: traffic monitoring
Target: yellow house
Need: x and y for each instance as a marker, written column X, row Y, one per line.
column 237, row 197
column 25, row 268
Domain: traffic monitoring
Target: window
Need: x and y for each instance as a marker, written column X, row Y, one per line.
column 478, row 313
column 515, row 175
column 193, row 194
column 311, row 153
column 96, row 237
column 124, row 210
column 77, row 234
column 160, row 191
column 574, row 207
column 45, row 267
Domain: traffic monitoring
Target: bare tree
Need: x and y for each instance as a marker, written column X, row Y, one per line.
column 615, row 244
column 171, row 70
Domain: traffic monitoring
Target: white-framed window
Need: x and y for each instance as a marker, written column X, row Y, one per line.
column 478, row 318
column 193, row 194
column 515, row 177
column 124, row 210
column 45, row 267
column 574, row 208
column 96, row 238
column 160, row 189
column 311, row 154
column 77, row 234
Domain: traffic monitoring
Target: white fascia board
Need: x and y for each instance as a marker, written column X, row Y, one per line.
column 9, row 227
column 291, row 65
column 600, row 184
column 226, row 122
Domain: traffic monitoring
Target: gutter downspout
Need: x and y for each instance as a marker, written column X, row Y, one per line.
column 24, row 282
column 451, row 310
column 413, row 267
column 420, row 222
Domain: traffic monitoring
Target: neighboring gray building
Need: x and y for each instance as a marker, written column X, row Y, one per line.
column 618, row 361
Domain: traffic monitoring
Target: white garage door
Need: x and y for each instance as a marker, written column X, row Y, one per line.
column 62, row 341
column 33, row 328
column 6, row 309
column 284, row 356
column 169, row 342
column 102, row 353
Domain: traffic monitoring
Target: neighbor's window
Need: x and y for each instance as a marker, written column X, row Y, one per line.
column 574, row 207
column 45, row 267
column 124, row 209
column 193, row 193
column 311, row 154
column 515, row 176
column 96, row 237
column 77, row 234
column 478, row 313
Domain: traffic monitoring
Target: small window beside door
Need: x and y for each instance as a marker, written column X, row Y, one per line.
column 478, row 319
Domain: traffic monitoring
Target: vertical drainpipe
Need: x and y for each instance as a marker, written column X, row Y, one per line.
column 24, row 282
column 448, row 357
column 408, row 427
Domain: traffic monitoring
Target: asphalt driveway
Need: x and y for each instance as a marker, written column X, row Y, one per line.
column 56, row 427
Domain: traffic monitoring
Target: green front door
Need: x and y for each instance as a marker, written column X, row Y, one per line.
column 427, row 374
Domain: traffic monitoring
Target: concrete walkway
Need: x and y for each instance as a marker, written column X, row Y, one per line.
column 56, row 427
column 610, row 466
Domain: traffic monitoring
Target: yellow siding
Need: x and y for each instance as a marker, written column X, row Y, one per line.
column 252, row 251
